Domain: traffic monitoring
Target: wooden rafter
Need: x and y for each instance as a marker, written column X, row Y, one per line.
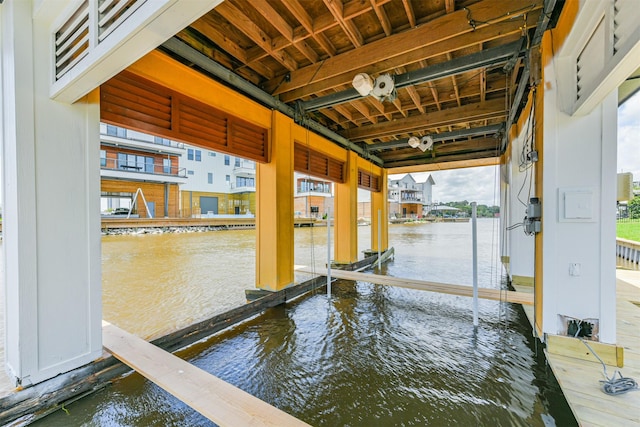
column 340, row 69
column 440, row 30
column 232, row 14
column 349, row 28
column 411, row 16
column 382, row 17
column 472, row 112
column 298, row 11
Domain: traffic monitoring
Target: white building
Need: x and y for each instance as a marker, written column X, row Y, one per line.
column 217, row 184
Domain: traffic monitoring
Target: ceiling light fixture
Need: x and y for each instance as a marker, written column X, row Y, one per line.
column 414, row 142
column 426, row 143
column 383, row 87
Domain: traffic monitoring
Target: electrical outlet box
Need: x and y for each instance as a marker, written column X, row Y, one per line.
column 534, row 209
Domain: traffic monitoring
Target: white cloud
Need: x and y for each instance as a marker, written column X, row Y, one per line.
column 470, row 184
column 629, row 137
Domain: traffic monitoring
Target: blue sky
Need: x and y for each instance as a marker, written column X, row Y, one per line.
column 479, row 184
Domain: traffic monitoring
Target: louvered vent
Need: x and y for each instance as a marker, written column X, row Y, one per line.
column 72, row 40
column 318, row 164
column 625, row 21
column 591, row 60
column 112, row 13
column 368, row 181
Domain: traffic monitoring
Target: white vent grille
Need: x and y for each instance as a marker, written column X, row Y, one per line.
column 591, row 60
column 112, row 13
column 625, row 21
column 72, row 40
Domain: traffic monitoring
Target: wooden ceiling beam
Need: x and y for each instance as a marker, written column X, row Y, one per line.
column 411, row 16
column 337, row 10
column 450, row 6
column 207, row 29
column 298, row 11
column 274, row 18
column 438, row 30
column 241, row 21
column 467, row 92
column 440, row 149
column 328, row 76
column 288, row 33
column 382, row 17
column 467, row 113
column 364, row 110
column 474, row 157
column 379, row 106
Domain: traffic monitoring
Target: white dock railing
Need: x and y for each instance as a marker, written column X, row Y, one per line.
column 628, row 249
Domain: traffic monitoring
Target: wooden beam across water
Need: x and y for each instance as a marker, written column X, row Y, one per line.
column 443, row 288
column 221, row 402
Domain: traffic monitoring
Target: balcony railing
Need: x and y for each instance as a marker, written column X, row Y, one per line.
column 123, row 134
column 316, row 189
column 139, row 167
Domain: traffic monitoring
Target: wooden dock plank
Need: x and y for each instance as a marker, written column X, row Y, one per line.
column 444, row 288
column 579, row 379
column 222, row 403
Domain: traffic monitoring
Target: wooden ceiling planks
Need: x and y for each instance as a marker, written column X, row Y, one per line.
column 298, row 50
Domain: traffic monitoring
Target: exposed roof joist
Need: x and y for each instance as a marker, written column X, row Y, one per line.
column 444, row 136
column 474, row 61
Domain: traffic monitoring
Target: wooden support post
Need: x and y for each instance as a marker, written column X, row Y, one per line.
column 346, row 214
column 274, row 210
column 379, row 201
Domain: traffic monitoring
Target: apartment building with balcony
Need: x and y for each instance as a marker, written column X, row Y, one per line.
column 407, row 196
column 313, row 197
column 137, row 167
column 217, row 184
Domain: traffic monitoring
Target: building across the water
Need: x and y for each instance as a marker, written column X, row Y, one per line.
column 313, row 197
column 141, row 171
column 217, row 184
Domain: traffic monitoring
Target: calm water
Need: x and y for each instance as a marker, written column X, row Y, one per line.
column 371, row 356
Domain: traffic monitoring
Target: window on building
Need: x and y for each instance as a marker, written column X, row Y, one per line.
column 122, row 161
column 237, row 164
column 103, row 158
column 116, row 131
column 198, row 155
column 190, row 154
column 245, row 182
column 227, row 160
column 189, row 172
column 212, row 153
column 161, row 141
column 148, row 165
column 227, row 179
column 166, row 165
column 210, row 177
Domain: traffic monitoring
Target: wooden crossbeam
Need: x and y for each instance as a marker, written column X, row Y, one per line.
column 443, row 288
column 221, row 402
column 471, row 112
column 447, row 27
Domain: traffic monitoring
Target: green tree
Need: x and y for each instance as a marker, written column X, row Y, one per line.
column 634, row 208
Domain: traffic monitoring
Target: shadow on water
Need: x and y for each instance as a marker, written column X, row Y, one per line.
column 369, row 356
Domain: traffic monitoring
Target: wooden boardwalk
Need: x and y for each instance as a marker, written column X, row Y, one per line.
column 579, row 379
column 221, row 402
column 524, row 298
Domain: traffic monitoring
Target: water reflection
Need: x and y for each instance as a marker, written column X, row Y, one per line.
column 372, row 355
